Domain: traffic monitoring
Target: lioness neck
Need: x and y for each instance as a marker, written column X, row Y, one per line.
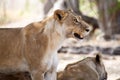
column 55, row 32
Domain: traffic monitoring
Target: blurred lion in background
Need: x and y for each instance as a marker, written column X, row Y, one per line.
column 90, row 68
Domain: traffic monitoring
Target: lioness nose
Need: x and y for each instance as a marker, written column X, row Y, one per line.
column 87, row 30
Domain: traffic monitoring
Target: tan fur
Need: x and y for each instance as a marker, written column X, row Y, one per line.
column 88, row 69
column 33, row 48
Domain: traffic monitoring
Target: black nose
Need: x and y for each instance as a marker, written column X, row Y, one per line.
column 78, row 36
column 87, row 30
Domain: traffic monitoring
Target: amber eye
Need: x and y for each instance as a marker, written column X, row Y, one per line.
column 75, row 20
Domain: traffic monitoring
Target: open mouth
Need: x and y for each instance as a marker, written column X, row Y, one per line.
column 78, row 36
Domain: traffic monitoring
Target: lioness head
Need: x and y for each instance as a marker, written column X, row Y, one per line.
column 74, row 26
column 90, row 68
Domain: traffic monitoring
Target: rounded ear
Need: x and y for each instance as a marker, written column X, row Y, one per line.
column 98, row 58
column 60, row 15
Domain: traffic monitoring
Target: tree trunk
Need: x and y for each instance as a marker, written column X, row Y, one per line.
column 109, row 17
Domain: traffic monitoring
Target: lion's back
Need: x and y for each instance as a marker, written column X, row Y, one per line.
column 10, row 46
column 8, row 37
column 6, row 33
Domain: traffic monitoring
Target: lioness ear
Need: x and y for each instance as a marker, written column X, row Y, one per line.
column 60, row 15
column 98, row 58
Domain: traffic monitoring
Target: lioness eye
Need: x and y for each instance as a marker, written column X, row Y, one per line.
column 75, row 20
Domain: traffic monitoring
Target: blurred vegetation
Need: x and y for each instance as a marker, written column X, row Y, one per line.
column 26, row 8
column 88, row 7
column 42, row 1
column 115, row 8
column 18, row 9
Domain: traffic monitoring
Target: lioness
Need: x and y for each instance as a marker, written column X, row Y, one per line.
column 90, row 68
column 33, row 48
